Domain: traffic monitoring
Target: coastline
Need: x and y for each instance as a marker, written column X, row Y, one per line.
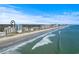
column 11, row 49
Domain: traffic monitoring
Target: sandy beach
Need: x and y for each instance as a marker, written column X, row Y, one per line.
column 5, row 41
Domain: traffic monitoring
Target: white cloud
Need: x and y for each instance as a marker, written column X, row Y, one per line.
column 7, row 14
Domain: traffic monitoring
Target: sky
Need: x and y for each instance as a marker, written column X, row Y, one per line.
column 39, row 13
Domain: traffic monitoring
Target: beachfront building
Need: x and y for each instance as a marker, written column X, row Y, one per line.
column 10, row 29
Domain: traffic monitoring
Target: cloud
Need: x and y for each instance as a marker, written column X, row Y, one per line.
column 10, row 13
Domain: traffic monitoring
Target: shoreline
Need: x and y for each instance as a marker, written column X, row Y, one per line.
column 24, row 34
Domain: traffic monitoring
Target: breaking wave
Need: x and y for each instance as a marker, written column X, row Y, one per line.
column 44, row 41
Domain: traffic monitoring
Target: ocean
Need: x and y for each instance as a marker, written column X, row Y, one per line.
column 63, row 41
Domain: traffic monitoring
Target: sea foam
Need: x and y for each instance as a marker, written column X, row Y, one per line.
column 44, row 41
